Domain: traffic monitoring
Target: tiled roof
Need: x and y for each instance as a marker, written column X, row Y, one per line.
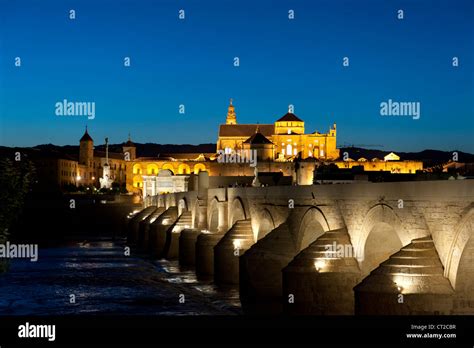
column 289, row 117
column 245, row 130
column 258, row 138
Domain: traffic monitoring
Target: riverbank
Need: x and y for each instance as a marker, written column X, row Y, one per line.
column 50, row 220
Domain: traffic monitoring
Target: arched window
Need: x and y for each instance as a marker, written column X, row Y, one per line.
column 289, row 149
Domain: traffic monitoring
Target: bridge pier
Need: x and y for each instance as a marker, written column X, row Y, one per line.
column 171, row 249
column 321, row 278
column 261, row 272
column 187, row 246
column 144, row 229
column 133, row 224
column 205, row 244
column 410, row 282
column 228, row 250
column 158, row 231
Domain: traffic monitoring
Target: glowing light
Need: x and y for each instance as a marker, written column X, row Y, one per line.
column 93, row 178
column 399, row 287
column 402, row 284
column 319, row 265
column 186, row 226
column 237, row 243
column 205, row 231
column 78, row 177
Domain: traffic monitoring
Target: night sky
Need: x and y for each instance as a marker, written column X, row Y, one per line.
column 282, row 62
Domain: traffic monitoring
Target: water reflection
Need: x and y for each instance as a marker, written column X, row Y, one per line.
column 105, row 281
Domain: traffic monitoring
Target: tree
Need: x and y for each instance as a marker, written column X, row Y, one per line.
column 16, row 179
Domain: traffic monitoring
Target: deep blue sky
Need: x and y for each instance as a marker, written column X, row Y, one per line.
column 282, row 62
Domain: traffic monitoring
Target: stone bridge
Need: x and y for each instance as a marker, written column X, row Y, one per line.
column 362, row 248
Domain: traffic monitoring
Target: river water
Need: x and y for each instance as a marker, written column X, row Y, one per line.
column 105, row 281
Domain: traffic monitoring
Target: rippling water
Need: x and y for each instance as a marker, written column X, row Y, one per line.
column 104, row 281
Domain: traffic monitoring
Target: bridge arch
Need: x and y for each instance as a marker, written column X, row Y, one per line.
column 213, row 215
column 381, row 235
column 265, row 224
column 182, row 206
column 161, row 201
column 313, row 225
column 237, row 211
column 460, row 259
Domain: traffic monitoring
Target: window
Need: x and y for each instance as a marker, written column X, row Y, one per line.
column 289, row 149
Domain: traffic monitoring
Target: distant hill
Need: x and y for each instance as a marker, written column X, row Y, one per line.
column 143, row 150
column 429, row 157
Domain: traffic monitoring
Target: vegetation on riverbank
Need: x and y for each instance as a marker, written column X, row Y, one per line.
column 16, row 179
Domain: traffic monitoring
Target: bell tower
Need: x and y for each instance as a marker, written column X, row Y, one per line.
column 86, row 149
column 231, row 116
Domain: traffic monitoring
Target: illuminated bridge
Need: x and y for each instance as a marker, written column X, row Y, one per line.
column 363, row 248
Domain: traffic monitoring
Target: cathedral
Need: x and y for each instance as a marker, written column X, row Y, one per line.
column 278, row 147
column 284, row 140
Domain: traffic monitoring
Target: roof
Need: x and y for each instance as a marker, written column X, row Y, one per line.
column 392, row 157
column 258, row 138
column 129, row 143
column 245, row 130
column 86, row 137
column 290, row 117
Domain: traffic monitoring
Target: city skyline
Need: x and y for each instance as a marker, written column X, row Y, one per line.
column 283, row 61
